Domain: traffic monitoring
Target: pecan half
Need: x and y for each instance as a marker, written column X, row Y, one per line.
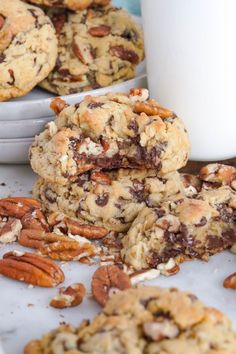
column 100, row 31
column 31, row 268
column 106, row 281
column 38, row 238
column 88, row 231
column 68, row 250
column 57, row 105
column 69, row 297
column 101, row 178
column 10, row 230
column 230, row 281
column 152, row 109
column 124, row 54
column 17, row 207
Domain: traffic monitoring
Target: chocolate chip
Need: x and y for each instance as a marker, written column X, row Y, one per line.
column 202, row 222
column 82, row 179
column 11, row 72
column 58, row 21
column 2, row 57
column 214, row 242
column 93, row 105
column 133, row 125
column 130, row 35
column 50, row 195
column 138, row 190
column 102, row 199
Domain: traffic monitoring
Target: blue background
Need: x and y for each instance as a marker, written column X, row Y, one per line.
column 132, row 6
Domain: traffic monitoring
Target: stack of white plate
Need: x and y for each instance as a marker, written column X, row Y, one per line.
column 21, row 119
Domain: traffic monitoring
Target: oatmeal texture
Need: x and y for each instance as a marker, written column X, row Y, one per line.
column 145, row 320
column 98, row 47
column 111, row 131
column 28, row 48
column 109, row 199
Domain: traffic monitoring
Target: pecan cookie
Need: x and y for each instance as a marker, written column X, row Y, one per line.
column 183, row 229
column 109, row 199
column 75, row 5
column 111, row 131
column 28, row 48
column 145, row 320
column 98, row 47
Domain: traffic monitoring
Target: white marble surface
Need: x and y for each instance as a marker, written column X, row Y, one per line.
column 24, row 311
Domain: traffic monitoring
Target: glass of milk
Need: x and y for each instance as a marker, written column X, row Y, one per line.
column 191, row 64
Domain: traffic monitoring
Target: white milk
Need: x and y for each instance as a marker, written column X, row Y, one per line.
column 191, row 62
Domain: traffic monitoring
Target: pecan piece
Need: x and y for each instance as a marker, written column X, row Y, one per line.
column 158, row 330
column 18, row 206
column 38, row 238
column 230, row 281
column 31, row 268
column 58, row 21
column 10, row 230
column 57, row 105
column 34, row 220
column 69, row 297
column 124, row 54
column 106, row 281
column 138, row 94
column 101, row 178
column 83, row 52
column 218, row 173
column 152, row 109
column 100, row 31
column 68, row 250
column 88, row 231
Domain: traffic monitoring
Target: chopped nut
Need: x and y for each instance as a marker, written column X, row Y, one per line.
column 144, row 275
column 169, row 268
column 100, row 31
column 138, row 95
column 124, row 54
column 10, row 230
column 89, row 231
column 106, row 281
column 160, row 330
column 101, row 178
column 152, row 109
column 230, row 281
column 57, row 105
column 69, row 297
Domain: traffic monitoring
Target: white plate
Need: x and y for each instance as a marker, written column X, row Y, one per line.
column 25, row 314
column 14, row 129
column 14, row 150
column 37, row 103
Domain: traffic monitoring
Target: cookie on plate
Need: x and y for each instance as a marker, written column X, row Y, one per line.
column 28, row 48
column 183, row 229
column 111, row 131
column 98, row 47
column 75, row 5
column 146, row 320
column 110, row 199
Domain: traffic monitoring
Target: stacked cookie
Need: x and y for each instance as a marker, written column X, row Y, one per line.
column 112, row 161
column 63, row 51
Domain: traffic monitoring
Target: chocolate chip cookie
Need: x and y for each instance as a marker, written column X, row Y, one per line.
column 145, row 320
column 75, row 5
column 109, row 199
column 188, row 228
column 28, row 48
column 98, row 47
column 111, row 131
